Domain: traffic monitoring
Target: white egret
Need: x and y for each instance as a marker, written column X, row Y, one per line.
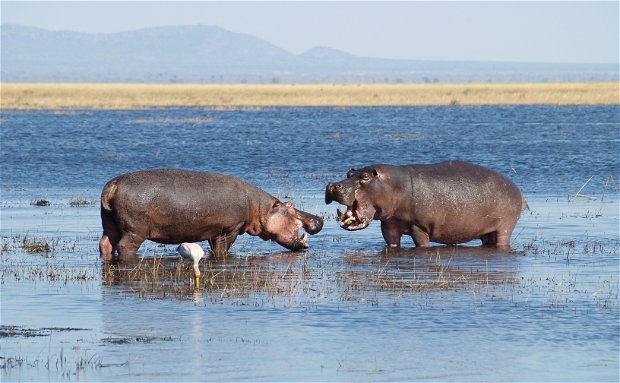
column 194, row 252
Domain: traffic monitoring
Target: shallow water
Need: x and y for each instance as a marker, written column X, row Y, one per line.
column 346, row 310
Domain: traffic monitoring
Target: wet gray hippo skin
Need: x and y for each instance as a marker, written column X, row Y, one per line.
column 173, row 206
column 451, row 202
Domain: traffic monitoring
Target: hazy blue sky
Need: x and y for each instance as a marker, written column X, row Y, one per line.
column 558, row 31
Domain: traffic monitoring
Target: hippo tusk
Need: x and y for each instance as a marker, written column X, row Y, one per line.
column 357, row 214
column 349, row 220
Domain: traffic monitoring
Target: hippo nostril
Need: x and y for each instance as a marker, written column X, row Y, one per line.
column 338, row 186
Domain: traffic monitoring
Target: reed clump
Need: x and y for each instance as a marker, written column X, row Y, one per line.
column 159, row 277
column 80, row 202
column 253, row 96
column 36, row 245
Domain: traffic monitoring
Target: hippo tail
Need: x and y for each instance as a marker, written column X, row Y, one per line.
column 107, row 195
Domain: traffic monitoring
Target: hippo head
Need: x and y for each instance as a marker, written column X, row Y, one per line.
column 282, row 223
column 358, row 192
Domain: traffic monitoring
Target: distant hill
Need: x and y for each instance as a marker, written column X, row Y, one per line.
column 208, row 54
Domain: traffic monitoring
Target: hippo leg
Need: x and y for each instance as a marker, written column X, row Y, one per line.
column 129, row 244
column 499, row 238
column 391, row 233
column 108, row 244
column 420, row 237
column 222, row 243
column 489, row 239
column 106, row 250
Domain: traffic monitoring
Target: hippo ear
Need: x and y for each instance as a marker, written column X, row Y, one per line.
column 374, row 172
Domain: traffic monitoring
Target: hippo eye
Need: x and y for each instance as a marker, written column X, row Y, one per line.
column 365, row 177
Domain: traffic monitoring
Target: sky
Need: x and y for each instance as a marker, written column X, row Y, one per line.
column 533, row 31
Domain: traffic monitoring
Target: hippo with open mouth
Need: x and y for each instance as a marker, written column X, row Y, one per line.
column 172, row 206
column 451, row 202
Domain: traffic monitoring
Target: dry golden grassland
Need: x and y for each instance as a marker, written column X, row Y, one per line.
column 136, row 96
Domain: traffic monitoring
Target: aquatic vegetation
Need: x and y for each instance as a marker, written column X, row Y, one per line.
column 36, row 245
column 231, row 277
column 19, row 331
column 407, row 136
column 80, row 202
column 169, row 120
column 62, row 364
column 360, row 276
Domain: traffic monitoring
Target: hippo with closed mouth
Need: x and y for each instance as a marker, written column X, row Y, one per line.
column 450, row 202
column 173, row 206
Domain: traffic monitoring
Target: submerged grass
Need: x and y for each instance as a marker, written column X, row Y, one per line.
column 168, row 120
column 36, row 245
column 360, row 276
column 80, row 202
column 372, row 278
column 60, row 364
column 230, row 277
column 375, row 279
column 311, row 277
column 138, row 96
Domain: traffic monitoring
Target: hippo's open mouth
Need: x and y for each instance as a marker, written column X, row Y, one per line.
column 353, row 218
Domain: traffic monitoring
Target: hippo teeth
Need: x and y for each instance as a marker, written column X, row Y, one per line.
column 352, row 217
column 303, row 241
column 343, row 216
column 359, row 217
column 349, row 220
column 349, row 217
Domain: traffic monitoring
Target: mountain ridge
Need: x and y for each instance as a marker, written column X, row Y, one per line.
column 208, row 54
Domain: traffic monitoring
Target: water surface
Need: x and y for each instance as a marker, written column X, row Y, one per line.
column 346, row 310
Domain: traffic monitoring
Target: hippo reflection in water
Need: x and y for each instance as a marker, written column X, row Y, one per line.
column 172, row 206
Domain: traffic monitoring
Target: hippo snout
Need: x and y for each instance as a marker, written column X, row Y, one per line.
column 330, row 191
column 312, row 224
column 341, row 192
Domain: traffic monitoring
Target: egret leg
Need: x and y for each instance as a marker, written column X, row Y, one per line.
column 196, row 275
